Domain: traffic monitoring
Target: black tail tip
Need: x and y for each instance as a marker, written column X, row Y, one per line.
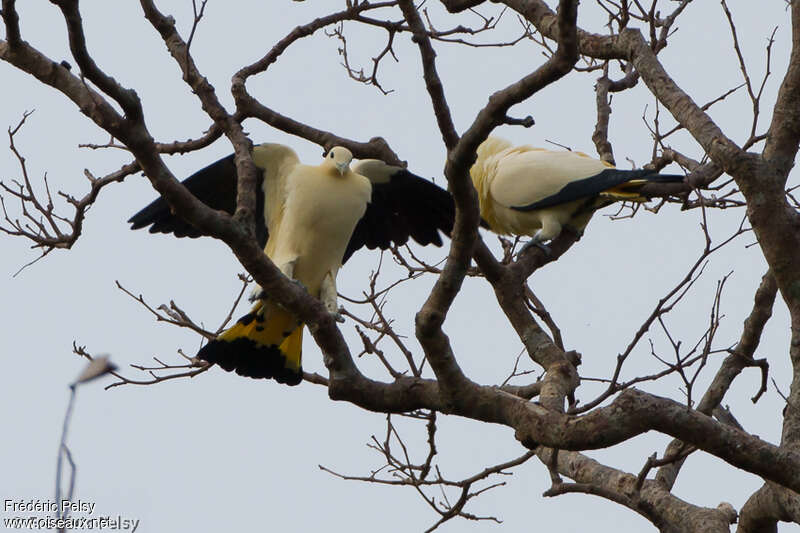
column 251, row 360
column 666, row 178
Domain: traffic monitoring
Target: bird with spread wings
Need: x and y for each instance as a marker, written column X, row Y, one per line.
column 310, row 220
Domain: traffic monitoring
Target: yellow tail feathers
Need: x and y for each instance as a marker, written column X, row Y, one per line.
column 620, row 194
column 264, row 343
column 268, row 326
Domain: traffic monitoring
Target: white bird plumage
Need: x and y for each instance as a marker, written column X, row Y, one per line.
column 536, row 192
column 310, row 213
column 310, row 219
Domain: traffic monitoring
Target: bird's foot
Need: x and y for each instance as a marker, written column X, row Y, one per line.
column 534, row 243
column 257, row 293
column 334, row 311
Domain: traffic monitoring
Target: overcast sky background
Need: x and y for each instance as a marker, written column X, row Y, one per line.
column 220, row 451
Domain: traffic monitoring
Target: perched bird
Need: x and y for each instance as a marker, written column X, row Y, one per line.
column 310, row 219
column 532, row 191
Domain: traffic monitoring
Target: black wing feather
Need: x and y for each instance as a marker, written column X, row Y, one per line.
column 594, row 185
column 405, row 206
column 214, row 185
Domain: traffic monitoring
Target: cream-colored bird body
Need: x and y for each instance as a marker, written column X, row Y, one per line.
column 319, row 206
column 310, row 219
column 310, row 213
column 507, row 177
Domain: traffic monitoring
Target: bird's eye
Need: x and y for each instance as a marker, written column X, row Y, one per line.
column 331, row 155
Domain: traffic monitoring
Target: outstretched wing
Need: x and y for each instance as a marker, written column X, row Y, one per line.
column 403, row 205
column 216, row 185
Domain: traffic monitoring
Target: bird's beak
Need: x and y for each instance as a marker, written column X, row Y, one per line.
column 342, row 168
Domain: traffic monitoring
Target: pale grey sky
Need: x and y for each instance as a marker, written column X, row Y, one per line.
column 220, row 451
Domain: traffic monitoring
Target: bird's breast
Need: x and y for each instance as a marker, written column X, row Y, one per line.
column 332, row 206
column 320, row 216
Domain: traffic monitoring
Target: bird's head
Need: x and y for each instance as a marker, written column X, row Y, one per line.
column 339, row 158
